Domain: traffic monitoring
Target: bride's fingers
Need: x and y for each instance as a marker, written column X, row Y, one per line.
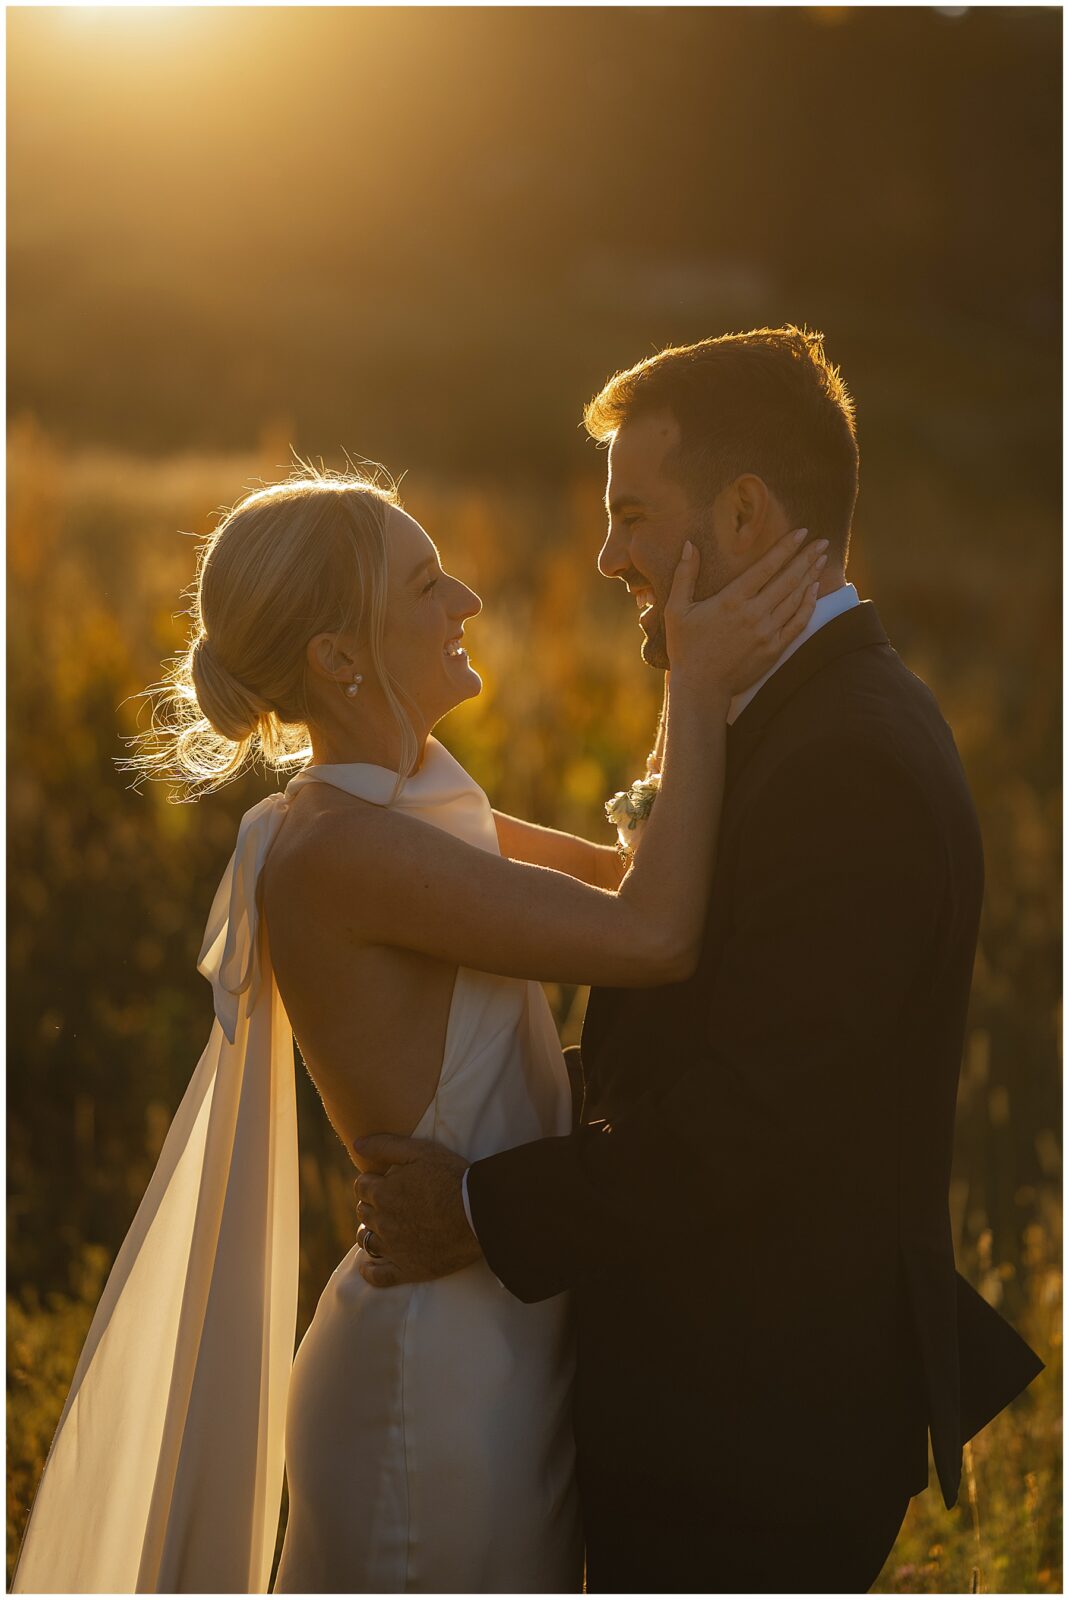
column 380, row 1274
column 794, row 602
column 795, row 597
column 793, row 623
column 681, row 594
column 800, row 572
column 753, row 580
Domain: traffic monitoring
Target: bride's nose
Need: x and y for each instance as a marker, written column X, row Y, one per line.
column 467, row 603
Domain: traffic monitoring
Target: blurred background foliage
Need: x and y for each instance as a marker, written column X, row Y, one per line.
column 425, row 237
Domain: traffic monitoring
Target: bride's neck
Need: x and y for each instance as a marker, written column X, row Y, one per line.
column 371, row 746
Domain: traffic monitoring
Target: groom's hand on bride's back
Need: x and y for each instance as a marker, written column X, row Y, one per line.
column 410, row 1207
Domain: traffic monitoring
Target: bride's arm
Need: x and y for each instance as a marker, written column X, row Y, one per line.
column 381, row 877
column 385, row 878
column 597, row 864
column 656, row 755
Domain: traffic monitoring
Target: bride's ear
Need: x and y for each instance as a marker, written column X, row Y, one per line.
column 331, row 657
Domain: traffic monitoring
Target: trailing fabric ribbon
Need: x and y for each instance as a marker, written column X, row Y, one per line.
column 165, row 1472
column 230, row 954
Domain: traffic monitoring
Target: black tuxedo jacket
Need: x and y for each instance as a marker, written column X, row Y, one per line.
column 753, row 1214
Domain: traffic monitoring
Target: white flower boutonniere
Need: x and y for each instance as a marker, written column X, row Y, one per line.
column 629, row 809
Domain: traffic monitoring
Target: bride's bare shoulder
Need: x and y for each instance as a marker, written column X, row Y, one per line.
column 327, row 836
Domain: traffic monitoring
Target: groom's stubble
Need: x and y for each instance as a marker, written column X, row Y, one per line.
column 713, row 573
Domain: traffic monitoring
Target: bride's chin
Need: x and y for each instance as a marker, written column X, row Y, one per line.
column 463, row 692
column 475, row 688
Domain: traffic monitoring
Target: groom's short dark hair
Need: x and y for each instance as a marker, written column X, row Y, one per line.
column 768, row 402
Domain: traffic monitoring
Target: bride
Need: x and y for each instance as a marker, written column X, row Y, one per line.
column 380, row 911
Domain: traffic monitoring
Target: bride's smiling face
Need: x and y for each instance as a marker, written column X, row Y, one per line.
column 426, row 610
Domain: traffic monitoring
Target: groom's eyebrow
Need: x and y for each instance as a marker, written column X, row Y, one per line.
column 618, row 502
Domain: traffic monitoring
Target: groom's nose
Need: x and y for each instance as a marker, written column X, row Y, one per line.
column 613, row 558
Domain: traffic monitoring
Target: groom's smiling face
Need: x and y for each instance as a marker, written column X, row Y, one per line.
column 650, row 520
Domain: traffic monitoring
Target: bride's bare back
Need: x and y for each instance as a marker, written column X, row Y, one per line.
column 370, row 1019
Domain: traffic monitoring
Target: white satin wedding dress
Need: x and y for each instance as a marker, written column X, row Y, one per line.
column 425, row 1430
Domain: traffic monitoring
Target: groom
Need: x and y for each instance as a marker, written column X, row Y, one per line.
column 752, row 1217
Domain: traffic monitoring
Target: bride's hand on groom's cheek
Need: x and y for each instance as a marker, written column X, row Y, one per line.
column 408, row 1198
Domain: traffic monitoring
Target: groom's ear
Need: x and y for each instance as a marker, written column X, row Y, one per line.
column 751, row 501
column 748, row 520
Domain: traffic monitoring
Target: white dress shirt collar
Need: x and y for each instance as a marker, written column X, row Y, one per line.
column 827, row 607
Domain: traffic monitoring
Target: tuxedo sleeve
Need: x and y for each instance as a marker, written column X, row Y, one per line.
column 839, row 876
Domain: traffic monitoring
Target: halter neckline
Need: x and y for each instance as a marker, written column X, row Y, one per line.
column 439, row 778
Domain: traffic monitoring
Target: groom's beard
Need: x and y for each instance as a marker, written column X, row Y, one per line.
column 655, row 645
column 712, row 576
column 654, row 649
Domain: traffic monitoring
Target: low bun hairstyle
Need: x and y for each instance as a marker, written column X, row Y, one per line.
column 293, row 559
column 234, row 710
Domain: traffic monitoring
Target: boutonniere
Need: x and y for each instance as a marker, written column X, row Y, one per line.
column 628, row 809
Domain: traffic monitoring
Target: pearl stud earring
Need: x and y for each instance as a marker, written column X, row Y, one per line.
column 354, row 687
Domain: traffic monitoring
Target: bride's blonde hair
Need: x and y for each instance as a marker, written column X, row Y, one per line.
column 303, row 556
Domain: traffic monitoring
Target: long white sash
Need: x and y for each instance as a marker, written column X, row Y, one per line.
column 165, row 1472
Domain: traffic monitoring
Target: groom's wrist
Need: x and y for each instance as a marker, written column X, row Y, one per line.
column 465, row 1201
column 467, row 1210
